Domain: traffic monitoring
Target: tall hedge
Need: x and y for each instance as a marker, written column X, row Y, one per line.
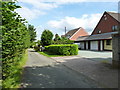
column 15, row 40
column 62, row 49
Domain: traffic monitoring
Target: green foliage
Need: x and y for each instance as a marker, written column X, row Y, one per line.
column 50, row 54
column 13, row 80
column 32, row 33
column 62, row 49
column 46, row 37
column 15, row 40
column 57, row 37
column 36, row 48
column 38, row 42
column 63, row 40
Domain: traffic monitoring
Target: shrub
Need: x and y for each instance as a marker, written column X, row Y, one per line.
column 62, row 49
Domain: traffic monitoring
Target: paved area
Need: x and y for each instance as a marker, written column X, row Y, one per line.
column 102, row 56
column 43, row 72
column 101, row 72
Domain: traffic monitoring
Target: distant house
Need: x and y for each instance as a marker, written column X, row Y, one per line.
column 75, row 33
column 101, row 37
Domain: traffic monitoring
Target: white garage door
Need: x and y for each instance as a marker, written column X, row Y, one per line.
column 94, row 45
column 82, row 45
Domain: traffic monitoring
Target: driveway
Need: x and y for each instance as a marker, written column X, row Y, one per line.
column 43, row 72
column 102, row 56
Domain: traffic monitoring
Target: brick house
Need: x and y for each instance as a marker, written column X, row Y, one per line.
column 101, row 37
column 75, row 33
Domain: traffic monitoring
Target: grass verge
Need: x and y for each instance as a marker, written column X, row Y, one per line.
column 14, row 80
column 51, row 55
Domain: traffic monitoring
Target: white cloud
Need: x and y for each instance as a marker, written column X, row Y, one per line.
column 39, row 4
column 86, row 21
column 65, row 1
column 39, row 7
column 39, row 30
column 29, row 14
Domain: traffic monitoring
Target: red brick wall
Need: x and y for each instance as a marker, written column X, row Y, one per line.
column 81, row 32
column 105, row 25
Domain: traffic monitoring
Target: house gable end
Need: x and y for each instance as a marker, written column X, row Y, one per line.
column 105, row 24
column 80, row 32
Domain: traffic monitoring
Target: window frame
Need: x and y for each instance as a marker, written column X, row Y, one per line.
column 108, row 42
column 114, row 28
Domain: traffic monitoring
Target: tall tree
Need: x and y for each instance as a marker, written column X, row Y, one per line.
column 46, row 37
column 32, row 33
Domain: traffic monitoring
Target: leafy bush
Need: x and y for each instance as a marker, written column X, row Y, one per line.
column 62, row 49
column 15, row 40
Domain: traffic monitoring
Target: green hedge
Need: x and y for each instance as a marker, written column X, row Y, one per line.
column 15, row 40
column 62, row 49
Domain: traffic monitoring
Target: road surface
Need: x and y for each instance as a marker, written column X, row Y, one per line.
column 43, row 72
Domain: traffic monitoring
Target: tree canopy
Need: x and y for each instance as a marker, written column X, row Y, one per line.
column 32, row 34
column 46, row 37
column 57, row 37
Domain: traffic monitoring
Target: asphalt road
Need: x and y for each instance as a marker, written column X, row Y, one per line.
column 43, row 72
column 101, row 56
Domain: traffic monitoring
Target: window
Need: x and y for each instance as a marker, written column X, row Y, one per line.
column 98, row 31
column 108, row 42
column 105, row 17
column 115, row 27
column 68, row 36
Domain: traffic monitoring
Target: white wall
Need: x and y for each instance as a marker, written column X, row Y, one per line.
column 101, row 46
column 94, row 45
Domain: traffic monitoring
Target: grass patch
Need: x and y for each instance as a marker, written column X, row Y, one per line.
column 14, row 80
column 51, row 55
column 104, row 61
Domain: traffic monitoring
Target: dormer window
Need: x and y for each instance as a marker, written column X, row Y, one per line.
column 114, row 28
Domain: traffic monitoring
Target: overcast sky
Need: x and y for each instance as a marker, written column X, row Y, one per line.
column 55, row 15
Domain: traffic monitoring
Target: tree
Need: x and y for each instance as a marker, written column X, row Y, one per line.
column 46, row 37
column 32, row 33
column 57, row 37
column 63, row 40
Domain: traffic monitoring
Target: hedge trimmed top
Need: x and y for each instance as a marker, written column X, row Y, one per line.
column 62, row 49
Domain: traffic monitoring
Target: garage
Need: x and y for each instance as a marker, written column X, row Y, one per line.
column 82, row 45
column 94, row 45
